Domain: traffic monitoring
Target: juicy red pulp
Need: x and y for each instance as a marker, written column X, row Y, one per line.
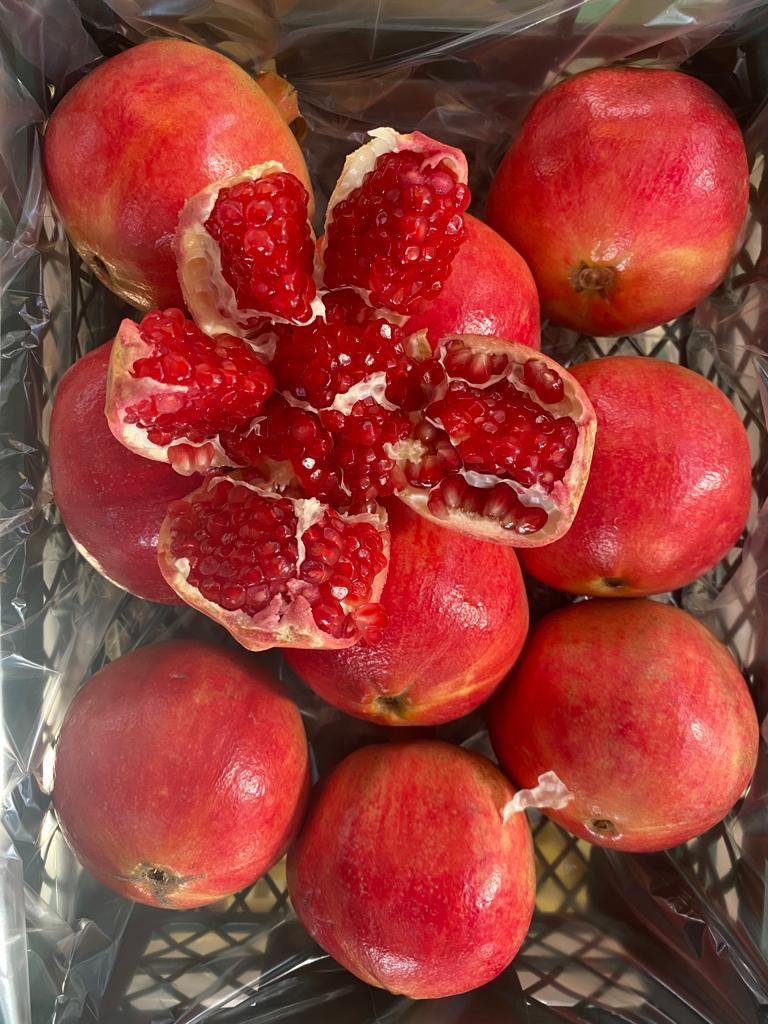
column 498, row 431
column 243, row 551
column 398, row 232
column 267, row 252
column 224, row 383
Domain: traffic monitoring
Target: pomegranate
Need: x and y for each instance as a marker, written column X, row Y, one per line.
column 395, row 220
column 139, row 135
column 640, row 711
column 670, row 484
column 246, row 252
column 181, row 773
column 503, row 446
column 409, row 873
column 112, row 502
column 276, row 570
column 456, row 616
column 625, row 191
column 489, row 291
column 176, row 395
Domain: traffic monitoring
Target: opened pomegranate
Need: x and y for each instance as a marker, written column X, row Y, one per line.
column 181, row 773
column 670, row 484
column 409, row 872
column 276, row 570
column 139, row 135
column 641, row 712
column 503, row 445
column 112, row 501
column 175, row 394
column 456, row 616
column 625, row 191
column 395, row 220
column 489, row 291
column 246, row 252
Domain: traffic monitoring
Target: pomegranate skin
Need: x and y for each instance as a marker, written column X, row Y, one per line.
column 112, row 501
column 181, row 773
column 669, row 488
column 640, row 711
column 625, row 191
column 490, row 291
column 139, row 135
column 457, row 616
column 406, row 873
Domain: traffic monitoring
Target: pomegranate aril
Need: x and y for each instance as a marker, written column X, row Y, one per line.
column 222, row 386
column 266, row 245
column 455, row 495
column 546, row 382
column 396, row 234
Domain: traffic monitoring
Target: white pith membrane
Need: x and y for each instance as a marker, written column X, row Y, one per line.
column 209, row 297
column 285, row 621
column 125, row 391
column 550, row 794
column 363, row 160
column 561, row 503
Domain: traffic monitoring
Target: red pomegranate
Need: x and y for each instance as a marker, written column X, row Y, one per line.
column 407, row 872
column 489, row 291
column 139, row 135
column 456, row 616
column 276, row 570
column 625, row 191
column 640, row 711
column 669, row 488
column 395, row 220
column 176, row 395
column 112, row 501
column 246, row 253
column 181, row 773
column 501, row 444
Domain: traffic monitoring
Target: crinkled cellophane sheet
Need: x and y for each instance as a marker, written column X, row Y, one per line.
column 679, row 937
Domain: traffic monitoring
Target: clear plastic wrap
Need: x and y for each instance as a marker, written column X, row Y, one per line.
column 678, row 938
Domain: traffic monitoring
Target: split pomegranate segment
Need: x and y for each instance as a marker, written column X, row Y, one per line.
column 395, row 220
column 503, row 446
column 174, row 394
column 276, row 570
column 246, row 253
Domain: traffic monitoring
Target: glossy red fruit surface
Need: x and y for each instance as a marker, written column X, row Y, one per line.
column 669, row 489
column 625, row 192
column 112, row 501
column 489, row 291
column 640, row 711
column 407, row 873
column 181, row 773
column 456, row 618
column 139, row 135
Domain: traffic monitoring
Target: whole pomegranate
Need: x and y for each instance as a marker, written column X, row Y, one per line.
column 640, row 711
column 181, row 773
column 112, row 501
column 489, row 291
column 625, row 191
column 410, row 874
column 456, row 618
column 669, row 487
column 137, row 137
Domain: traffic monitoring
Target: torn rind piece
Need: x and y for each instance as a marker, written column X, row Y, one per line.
column 550, row 793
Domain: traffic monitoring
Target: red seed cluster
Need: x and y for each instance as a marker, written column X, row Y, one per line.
column 243, row 552
column 397, row 234
column 500, row 503
column 359, row 448
column 321, row 360
column 500, row 430
column 267, row 252
column 224, row 383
